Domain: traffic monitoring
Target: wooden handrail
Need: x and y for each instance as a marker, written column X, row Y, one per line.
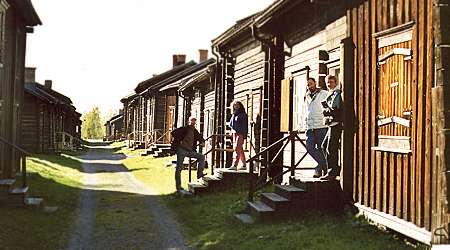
column 23, row 161
column 255, row 185
column 23, row 151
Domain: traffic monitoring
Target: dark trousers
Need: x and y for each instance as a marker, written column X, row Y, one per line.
column 330, row 147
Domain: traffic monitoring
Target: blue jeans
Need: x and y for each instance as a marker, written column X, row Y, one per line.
column 330, row 148
column 181, row 154
column 314, row 140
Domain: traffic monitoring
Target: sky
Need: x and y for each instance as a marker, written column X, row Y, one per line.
column 97, row 51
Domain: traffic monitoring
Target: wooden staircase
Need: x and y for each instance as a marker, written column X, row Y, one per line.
column 158, row 150
column 300, row 197
column 221, row 180
column 13, row 196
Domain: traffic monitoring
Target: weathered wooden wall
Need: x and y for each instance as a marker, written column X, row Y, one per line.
column 30, row 124
column 394, row 183
column 12, row 60
column 249, row 73
column 441, row 121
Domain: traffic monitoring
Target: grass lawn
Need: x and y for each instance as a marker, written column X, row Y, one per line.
column 56, row 179
column 209, row 224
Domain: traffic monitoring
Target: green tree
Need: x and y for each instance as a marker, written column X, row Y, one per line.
column 92, row 125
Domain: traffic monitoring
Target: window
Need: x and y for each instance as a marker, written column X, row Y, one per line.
column 299, row 100
column 394, row 92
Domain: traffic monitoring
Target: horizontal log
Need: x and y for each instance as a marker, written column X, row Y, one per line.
column 396, row 224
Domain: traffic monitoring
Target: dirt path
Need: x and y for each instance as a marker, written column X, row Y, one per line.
column 119, row 212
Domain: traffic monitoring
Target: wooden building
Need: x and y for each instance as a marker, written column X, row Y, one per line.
column 127, row 115
column 17, row 19
column 196, row 98
column 114, row 128
column 392, row 60
column 248, row 66
column 157, row 109
column 49, row 120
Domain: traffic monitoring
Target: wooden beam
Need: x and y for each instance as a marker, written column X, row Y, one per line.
column 396, row 224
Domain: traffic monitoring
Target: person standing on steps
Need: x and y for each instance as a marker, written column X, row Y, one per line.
column 239, row 128
column 315, row 129
column 333, row 112
column 184, row 143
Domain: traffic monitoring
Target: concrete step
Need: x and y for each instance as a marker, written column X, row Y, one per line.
column 276, row 202
column 19, row 190
column 6, row 184
column 260, row 210
column 316, row 188
column 197, row 188
column 290, row 192
column 34, row 202
column 245, row 218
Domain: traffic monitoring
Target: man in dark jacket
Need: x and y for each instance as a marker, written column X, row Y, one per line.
column 184, row 143
column 332, row 111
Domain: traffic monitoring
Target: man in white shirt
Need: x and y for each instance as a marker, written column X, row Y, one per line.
column 333, row 113
column 315, row 129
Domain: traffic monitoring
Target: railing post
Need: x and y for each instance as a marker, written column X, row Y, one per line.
column 24, row 170
column 189, row 169
column 250, row 181
column 292, row 139
column 213, row 153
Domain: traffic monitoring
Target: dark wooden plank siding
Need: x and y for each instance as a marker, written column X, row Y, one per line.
column 394, row 183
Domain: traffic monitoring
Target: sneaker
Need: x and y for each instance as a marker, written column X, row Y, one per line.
column 242, row 169
column 328, row 177
column 232, row 168
column 317, row 174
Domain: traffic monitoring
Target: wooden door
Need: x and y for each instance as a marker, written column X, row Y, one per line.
column 394, row 97
column 169, row 123
column 171, row 102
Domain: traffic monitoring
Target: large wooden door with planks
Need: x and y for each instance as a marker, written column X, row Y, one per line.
column 395, row 97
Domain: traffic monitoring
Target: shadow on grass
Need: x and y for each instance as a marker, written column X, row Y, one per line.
column 209, row 223
column 124, row 220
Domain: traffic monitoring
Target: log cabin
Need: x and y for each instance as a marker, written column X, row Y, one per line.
column 114, row 128
column 50, row 122
column 17, row 19
column 392, row 60
column 127, row 115
column 158, row 108
column 248, row 67
column 196, row 98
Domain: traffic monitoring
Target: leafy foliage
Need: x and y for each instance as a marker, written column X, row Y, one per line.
column 92, row 125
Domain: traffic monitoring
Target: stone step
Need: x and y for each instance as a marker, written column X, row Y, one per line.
column 260, row 210
column 324, row 189
column 19, row 191
column 275, row 201
column 290, row 192
column 245, row 218
column 33, row 202
column 197, row 188
column 6, row 184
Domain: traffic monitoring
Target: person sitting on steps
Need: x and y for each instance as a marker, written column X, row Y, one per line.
column 239, row 127
column 184, row 143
